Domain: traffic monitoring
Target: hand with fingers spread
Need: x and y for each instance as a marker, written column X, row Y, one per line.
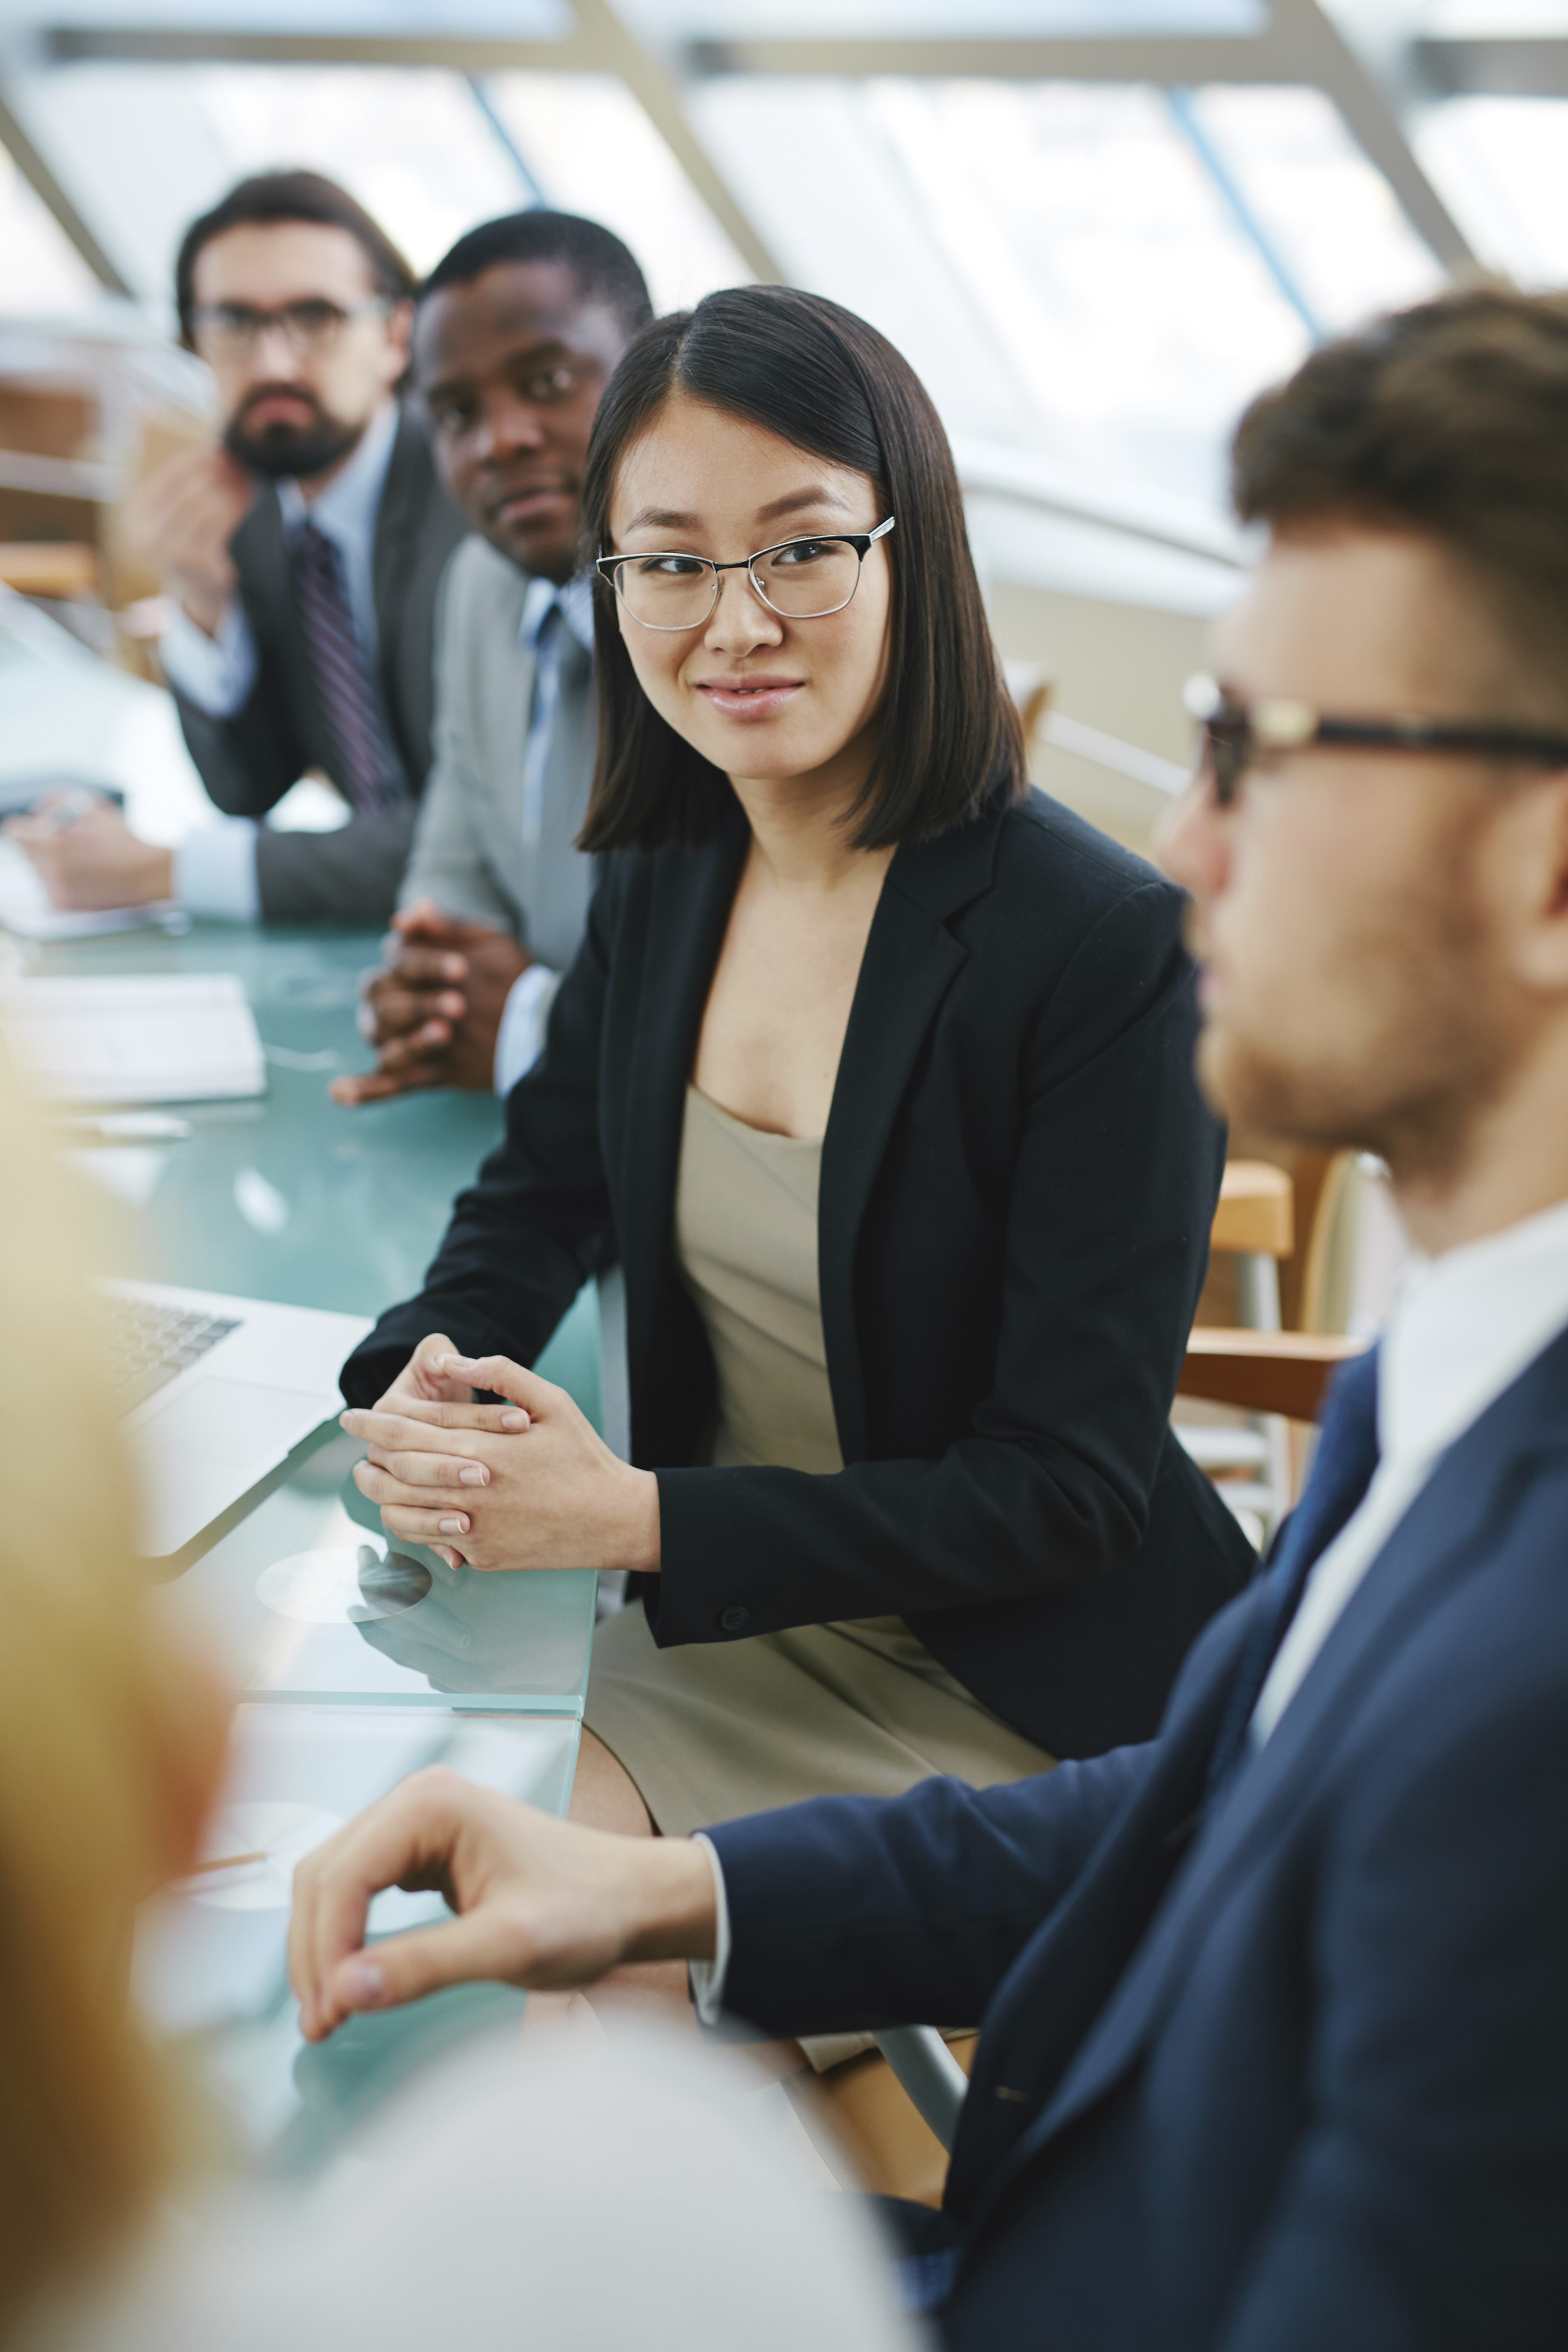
column 541, row 1903
column 528, row 1483
column 181, row 522
column 434, row 1010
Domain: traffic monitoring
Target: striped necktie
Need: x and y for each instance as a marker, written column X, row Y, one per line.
column 1341, row 1473
column 547, row 651
column 343, row 681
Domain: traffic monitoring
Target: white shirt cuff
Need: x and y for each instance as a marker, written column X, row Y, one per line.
column 214, row 872
column 519, row 1040
column 708, row 1976
column 214, row 673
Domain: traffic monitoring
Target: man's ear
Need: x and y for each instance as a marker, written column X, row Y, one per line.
column 399, row 336
column 1534, row 834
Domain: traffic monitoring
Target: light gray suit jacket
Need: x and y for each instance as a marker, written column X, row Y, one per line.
column 470, row 851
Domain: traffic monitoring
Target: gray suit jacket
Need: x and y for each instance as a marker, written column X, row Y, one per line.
column 248, row 762
column 470, row 851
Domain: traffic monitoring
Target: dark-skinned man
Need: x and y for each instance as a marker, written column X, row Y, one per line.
column 516, row 335
column 301, row 551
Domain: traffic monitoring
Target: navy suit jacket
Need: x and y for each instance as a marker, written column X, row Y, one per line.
column 1287, row 2076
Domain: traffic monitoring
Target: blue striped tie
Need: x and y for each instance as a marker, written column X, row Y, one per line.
column 342, row 680
column 1341, row 1473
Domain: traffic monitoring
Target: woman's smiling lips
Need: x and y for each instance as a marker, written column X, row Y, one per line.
column 749, row 698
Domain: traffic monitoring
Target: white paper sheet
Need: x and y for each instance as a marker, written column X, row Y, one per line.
column 141, row 1038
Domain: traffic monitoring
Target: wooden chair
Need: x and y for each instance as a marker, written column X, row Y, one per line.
column 63, row 570
column 1254, row 1224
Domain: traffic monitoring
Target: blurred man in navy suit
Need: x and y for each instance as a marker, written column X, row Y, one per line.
column 1274, row 2053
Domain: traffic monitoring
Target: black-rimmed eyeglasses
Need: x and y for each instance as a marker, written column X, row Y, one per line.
column 228, row 331
column 800, row 579
column 1234, row 734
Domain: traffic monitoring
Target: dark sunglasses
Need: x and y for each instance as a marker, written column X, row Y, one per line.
column 1232, row 733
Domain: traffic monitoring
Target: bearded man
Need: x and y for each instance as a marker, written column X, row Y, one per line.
column 301, row 551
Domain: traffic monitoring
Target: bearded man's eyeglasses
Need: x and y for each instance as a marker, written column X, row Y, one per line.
column 1233, row 735
column 231, row 330
column 800, row 579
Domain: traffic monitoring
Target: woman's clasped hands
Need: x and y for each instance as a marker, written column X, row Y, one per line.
column 528, row 1483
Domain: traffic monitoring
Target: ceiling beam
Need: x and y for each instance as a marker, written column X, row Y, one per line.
column 600, row 43
column 1178, row 59
column 1303, row 44
column 220, row 45
column 1497, row 67
column 1373, row 122
column 600, row 28
column 44, row 185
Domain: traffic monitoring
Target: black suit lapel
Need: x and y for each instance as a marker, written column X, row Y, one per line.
column 693, row 894
column 912, row 961
column 399, row 524
column 1439, row 1542
column 260, row 552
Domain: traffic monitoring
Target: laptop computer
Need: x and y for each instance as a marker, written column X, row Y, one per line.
column 216, row 1392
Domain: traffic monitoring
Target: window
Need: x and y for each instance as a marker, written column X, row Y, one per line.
column 41, row 272
column 592, row 149
column 1502, row 165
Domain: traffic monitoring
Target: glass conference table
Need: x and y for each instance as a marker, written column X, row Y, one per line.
column 354, row 1663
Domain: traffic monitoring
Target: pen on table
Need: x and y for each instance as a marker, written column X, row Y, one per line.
column 59, row 816
column 125, row 1126
column 224, row 1862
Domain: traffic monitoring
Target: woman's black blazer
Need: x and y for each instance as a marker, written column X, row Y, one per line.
column 1018, row 1183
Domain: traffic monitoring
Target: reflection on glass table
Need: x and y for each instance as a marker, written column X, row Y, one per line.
column 304, row 1599
column 373, row 1661
column 210, row 1967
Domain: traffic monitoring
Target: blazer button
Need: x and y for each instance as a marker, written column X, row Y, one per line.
column 735, row 1620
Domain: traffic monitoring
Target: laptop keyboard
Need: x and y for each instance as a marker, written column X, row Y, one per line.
column 149, row 1342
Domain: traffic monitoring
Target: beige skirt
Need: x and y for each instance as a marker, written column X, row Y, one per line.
column 712, row 1730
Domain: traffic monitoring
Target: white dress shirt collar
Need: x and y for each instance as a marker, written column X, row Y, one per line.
column 1464, row 1327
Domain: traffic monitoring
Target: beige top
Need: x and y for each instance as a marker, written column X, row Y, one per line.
column 745, row 1239
column 711, row 1731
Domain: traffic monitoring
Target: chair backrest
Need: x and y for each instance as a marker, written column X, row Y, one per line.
column 1256, row 1211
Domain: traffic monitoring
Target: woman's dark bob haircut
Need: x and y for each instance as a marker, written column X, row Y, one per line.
column 826, row 382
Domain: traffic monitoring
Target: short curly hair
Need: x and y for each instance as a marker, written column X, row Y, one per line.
column 1449, row 420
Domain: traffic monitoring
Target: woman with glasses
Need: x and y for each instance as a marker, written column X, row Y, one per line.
column 875, row 1074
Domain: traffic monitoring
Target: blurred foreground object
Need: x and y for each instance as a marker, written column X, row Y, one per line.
column 85, row 418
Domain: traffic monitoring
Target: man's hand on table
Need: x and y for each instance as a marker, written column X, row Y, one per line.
column 86, row 857
column 526, row 1484
column 434, row 1011
column 543, row 1904
column 181, row 522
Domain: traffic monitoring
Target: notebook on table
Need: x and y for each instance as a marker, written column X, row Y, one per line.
column 147, row 1038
